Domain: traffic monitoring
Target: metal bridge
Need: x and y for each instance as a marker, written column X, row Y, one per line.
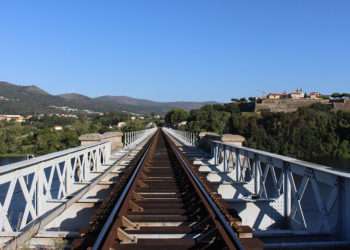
column 169, row 189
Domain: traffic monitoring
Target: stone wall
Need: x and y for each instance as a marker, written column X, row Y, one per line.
column 344, row 106
column 286, row 105
column 114, row 137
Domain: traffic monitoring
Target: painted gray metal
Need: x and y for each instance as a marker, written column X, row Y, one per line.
column 28, row 188
column 269, row 189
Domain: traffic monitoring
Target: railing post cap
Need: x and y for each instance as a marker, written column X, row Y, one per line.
column 90, row 137
column 111, row 134
column 232, row 138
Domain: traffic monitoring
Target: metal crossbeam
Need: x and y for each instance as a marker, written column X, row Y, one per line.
column 308, row 196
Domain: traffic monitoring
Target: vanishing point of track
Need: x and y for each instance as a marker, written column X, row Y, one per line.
column 160, row 203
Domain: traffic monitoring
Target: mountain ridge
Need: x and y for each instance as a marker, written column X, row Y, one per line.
column 32, row 99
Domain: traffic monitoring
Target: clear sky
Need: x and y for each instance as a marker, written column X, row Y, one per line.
column 176, row 49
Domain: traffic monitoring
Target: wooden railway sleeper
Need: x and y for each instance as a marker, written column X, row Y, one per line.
column 125, row 238
column 129, row 224
column 134, row 207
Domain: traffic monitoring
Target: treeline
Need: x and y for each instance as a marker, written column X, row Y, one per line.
column 309, row 133
column 38, row 136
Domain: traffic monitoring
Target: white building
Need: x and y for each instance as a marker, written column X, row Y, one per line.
column 183, row 123
column 58, row 128
column 315, row 95
column 121, row 124
column 297, row 94
column 16, row 118
column 274, row 96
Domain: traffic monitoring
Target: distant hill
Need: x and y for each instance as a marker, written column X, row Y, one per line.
column 32, row 99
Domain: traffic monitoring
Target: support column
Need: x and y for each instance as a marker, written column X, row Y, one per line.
column 115, row 138
column 89, row 139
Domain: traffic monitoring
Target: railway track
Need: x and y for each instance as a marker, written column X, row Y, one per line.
column 163, row 205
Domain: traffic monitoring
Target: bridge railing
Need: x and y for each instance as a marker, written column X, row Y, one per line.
column 135, row 136
column 312, row 197
column 30, row 188
column 274, row 190
column 187, row 137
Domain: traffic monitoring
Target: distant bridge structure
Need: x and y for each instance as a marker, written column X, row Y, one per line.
column 246, row 198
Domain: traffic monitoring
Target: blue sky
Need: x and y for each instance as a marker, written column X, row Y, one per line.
column 176, row 49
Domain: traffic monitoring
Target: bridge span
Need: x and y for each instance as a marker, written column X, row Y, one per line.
column 170, row 189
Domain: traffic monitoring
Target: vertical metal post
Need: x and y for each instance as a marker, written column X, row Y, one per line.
column 216, row 152
column 256, row 181
column 107, row 152
column 225, row 160
column 238, row 164
column 69, row 174
column 286, row 190
column 86, row 167
column 40, row 197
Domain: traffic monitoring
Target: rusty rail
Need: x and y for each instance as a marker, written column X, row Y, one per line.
column 164, row 204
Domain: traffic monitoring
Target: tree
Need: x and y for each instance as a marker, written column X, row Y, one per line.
column 175, row 116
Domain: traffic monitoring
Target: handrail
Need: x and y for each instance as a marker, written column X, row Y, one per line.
column 187, row 137
column 35, row 182
column 31, row 185
column 285, row 159
column 285, row 180
column 47, row 157
column 134, row 136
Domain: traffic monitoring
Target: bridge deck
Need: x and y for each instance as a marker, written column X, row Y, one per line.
column 165, row 192
column 164, row 208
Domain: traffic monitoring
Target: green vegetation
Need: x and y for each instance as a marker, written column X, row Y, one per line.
column 38, row 136
column 309, row 133
column 175, row 116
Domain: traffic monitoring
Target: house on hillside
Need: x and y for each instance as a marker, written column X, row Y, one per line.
column 121, row 124
column 58, row 128
column 183, row 123
column 314, row 95
column 274, row 96
column 297, row 94
column 16, row 118
column 3, row 98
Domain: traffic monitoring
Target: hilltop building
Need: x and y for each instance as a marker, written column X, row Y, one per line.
column 315, row 95
column 286, row 102
column 16, row 118
column 297, row 94
column 277, row 96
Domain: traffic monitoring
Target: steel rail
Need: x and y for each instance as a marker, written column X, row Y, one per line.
column 111, row 218
column 218, row 214
column 227, row 233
